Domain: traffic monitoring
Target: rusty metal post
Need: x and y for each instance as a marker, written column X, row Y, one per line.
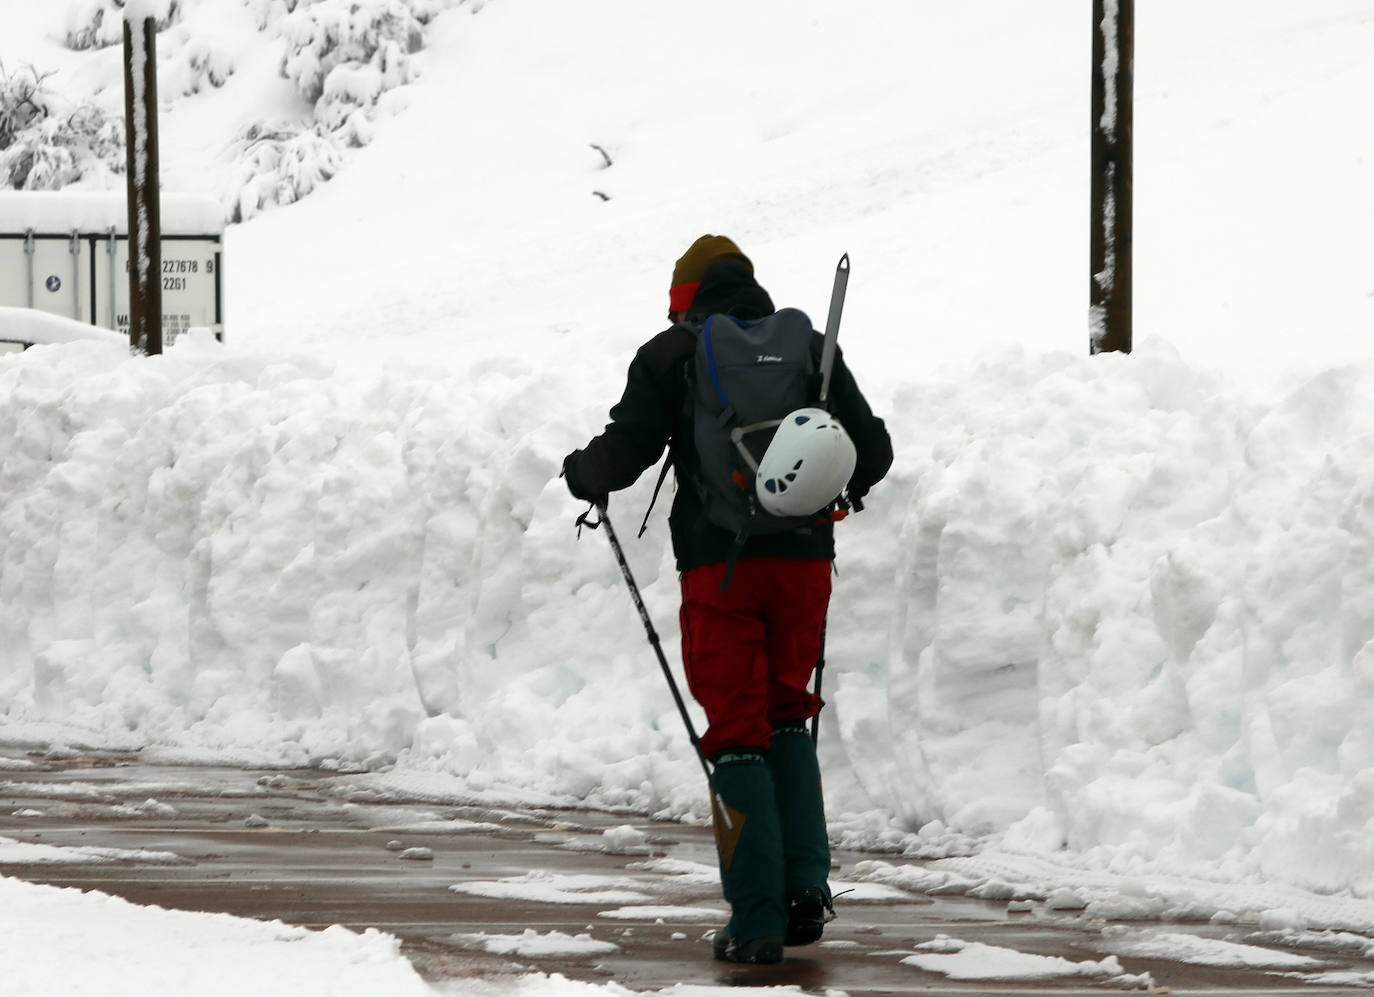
column 145, row 212
column 1112, row 175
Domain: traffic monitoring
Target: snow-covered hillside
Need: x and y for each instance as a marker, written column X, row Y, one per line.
column 1110, row 613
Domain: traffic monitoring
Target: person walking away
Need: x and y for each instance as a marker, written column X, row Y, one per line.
column 749, row 647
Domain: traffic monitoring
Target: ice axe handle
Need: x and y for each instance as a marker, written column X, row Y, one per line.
column 832, row 324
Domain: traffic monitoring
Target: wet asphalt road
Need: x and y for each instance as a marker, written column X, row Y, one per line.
column 298, row 847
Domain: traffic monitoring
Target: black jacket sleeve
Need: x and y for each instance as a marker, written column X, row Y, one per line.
column 872, row 443
column 643, row 421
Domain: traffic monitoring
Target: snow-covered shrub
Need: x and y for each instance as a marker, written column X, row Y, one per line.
column 269, row 13
column 46, row 142
column 100, row 23
column 427, row 10
column 23, row 101
column 344, row 57
column 320, row 37
column 37, row 164
column 198, row 65
column 278, row 165
column 209, row 63
column 350, row 94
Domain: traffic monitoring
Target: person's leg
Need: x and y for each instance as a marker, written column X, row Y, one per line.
column 795, row 613
column 801, row 820
column 794, row 595
column 724, row 645
column 723, row 641
column 748, row 842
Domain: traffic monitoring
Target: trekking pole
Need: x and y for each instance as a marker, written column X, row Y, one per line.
column 820, row 667
column 657, row 645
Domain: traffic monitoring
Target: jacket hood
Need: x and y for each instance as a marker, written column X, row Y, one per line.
column 729, row 288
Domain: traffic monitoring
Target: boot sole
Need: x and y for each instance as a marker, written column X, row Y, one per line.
column 766, row 952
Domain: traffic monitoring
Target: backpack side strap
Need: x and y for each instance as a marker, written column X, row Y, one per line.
column 658, row 486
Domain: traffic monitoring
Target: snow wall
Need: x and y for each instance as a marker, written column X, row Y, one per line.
column 1106, row 604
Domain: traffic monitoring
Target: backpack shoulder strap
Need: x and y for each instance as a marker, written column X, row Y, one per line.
column 709, row 352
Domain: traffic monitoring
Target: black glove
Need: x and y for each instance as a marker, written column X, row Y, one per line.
column 855, row 494
column 579, row 490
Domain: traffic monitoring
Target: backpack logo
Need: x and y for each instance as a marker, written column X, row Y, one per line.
column 765, row 358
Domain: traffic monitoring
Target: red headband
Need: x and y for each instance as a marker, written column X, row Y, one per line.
column 680, row 296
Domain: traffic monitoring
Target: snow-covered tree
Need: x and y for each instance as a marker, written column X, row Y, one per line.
column 202, row 63
column 269, row 13
column 277, row 165
column 343, row 56
column 325, row 36
column 47, row 143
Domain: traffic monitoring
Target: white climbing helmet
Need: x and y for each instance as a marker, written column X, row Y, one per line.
column 807, row 465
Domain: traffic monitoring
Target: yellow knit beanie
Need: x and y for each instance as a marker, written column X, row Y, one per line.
column 694, row 263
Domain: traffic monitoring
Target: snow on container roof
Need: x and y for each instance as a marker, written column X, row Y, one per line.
column 48, row 212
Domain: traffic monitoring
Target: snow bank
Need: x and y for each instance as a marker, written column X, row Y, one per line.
column 64, row 941
column 1126, row 612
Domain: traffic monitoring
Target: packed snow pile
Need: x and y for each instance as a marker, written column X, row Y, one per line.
column 1126, row 612
column 69, row 942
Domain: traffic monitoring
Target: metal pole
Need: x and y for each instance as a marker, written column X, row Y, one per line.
column 820, row 669
column 112, row 250
column 29, row 249
column 75, row 248
column 145, row 213
column 1113, row 85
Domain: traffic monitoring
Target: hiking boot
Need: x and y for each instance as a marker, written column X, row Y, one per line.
column 749, row 845
column 807, row 914
column 801, row 819
column 756, row 951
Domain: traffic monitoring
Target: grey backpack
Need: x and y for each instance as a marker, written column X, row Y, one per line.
column 745, row 378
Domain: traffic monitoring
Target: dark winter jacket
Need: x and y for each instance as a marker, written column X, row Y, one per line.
column 654, row 411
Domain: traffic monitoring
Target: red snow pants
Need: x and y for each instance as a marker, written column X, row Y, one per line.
column 749, row 652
